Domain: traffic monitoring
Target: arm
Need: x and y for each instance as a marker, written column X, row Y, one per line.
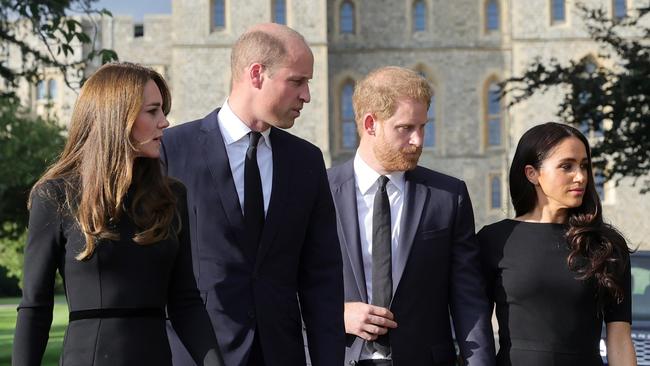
column 620, row 349
column 185, row 308
column 321, row 280
column 468, row 304
column 42, row 253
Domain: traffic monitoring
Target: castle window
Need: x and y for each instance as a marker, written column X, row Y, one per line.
column 419, row 16
column 558, row 11
column 348, row 124
column 218, row 14
column 495, row 192
column 493, row 116
column 430, row 127
column 51, row 89
column 346, row 17
column 492, row 15
column 620, row 8
column 280, row 12
column 138, row 30
column 40, row 90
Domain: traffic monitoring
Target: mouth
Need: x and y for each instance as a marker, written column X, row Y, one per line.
column 577, row 191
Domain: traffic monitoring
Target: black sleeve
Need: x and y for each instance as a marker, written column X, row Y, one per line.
column 42, row 253
column 622, row 312
column 185, row 308
column 487, row 263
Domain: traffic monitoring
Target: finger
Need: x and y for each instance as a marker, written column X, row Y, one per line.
column 382, row 322
column 379, row 311
column 374, row 329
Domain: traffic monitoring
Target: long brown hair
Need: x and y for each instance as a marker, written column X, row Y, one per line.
column 597, row 250
column 98, row 165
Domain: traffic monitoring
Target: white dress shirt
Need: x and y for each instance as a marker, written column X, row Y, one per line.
column 235, row 137
column 366, row 186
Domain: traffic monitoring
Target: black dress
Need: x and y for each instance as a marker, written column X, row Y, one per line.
column 121, row 276
column 546, row 316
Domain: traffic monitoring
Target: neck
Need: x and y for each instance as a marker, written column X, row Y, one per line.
column 241, row 107
column 368, row 156
column 546, row 214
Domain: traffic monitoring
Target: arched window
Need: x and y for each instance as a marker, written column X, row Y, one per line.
column 492, row 15
column 495, row 192
column 348, row 125
column 430, row 127
column 493, row 115
column 620, row 8
column 279, row 12
column 346, row 17
column 419, row 16
column 218, row 14
column 558, row 11
column 41, row 93
column 51, row 89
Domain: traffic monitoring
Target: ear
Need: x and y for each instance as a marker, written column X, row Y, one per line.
column 256, row 75
column 532, row 174
column 369, row 123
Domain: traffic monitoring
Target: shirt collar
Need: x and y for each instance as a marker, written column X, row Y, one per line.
column 366, row 177
column 234, row 129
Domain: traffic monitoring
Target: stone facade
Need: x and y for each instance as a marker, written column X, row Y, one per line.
column 456, row 51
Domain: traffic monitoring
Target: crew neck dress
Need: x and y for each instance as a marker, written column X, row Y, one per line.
column 120, row 294
column 546, row 316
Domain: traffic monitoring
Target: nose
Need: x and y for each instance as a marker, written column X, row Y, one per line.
column 580, row 175
column 304, row 94
column 163, row 123
column 417, row 137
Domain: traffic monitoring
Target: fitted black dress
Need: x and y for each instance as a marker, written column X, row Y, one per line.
column 546, row 316
column 131, row 284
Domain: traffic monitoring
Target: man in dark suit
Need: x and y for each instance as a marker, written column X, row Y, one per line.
column 407, row 238
column 262, row 219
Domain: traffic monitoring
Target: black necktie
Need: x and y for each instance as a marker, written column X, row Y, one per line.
column 253, row 197
column 382, row 281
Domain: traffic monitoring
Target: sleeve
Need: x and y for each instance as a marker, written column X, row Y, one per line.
column 41, row 256
column 487, row 267
column 468, row 304
column 187, row 315
column 622, row 312
column 321, row 280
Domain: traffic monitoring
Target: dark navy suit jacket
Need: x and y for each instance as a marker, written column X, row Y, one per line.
column 295, row 270
column 438, row 271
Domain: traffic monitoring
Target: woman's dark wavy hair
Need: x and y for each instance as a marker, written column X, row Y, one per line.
column 598, row 252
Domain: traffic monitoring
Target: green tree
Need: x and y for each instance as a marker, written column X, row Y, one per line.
column 44, row 33
column 612, row 102
column 27, row 146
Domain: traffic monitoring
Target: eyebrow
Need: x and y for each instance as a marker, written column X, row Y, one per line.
column 154, row 104
column 572, row 160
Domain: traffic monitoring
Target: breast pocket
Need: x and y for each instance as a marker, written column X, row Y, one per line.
column 434, row 234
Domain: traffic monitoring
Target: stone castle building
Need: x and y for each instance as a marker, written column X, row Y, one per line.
column 464, row 47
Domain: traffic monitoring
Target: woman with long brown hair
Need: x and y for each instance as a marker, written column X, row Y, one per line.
column 116, row 229
column 557, row 271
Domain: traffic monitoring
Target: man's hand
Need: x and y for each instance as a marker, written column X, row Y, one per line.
column 367, row 321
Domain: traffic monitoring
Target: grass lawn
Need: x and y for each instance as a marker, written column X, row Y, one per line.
column 8, row 323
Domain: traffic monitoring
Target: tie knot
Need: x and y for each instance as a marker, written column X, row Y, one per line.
column 382, row 181
column 253, row 138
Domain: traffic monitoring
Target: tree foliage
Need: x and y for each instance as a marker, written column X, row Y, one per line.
column 44, row 33
column 27, row 146
column 612, row 102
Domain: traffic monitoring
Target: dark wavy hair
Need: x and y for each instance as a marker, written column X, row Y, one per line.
column 598, row 251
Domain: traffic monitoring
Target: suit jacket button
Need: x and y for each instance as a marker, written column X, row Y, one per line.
column 352, row 363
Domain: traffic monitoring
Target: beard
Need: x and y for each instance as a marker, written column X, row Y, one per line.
column 395, row 159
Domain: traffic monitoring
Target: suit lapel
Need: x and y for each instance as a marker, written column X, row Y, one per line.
column 214, row 151
column 415, row 195
column 281, row 178
column 345, row 198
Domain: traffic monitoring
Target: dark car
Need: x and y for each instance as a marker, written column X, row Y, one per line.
column 640, row 309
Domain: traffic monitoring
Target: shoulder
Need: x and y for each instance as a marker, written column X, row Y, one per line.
column 177, row 187
column 297, row 144
column 496, row 232
column 437, row 180
column 341, row 173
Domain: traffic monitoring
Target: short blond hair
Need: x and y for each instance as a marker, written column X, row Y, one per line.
column 265, row 44
column 379, row 92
